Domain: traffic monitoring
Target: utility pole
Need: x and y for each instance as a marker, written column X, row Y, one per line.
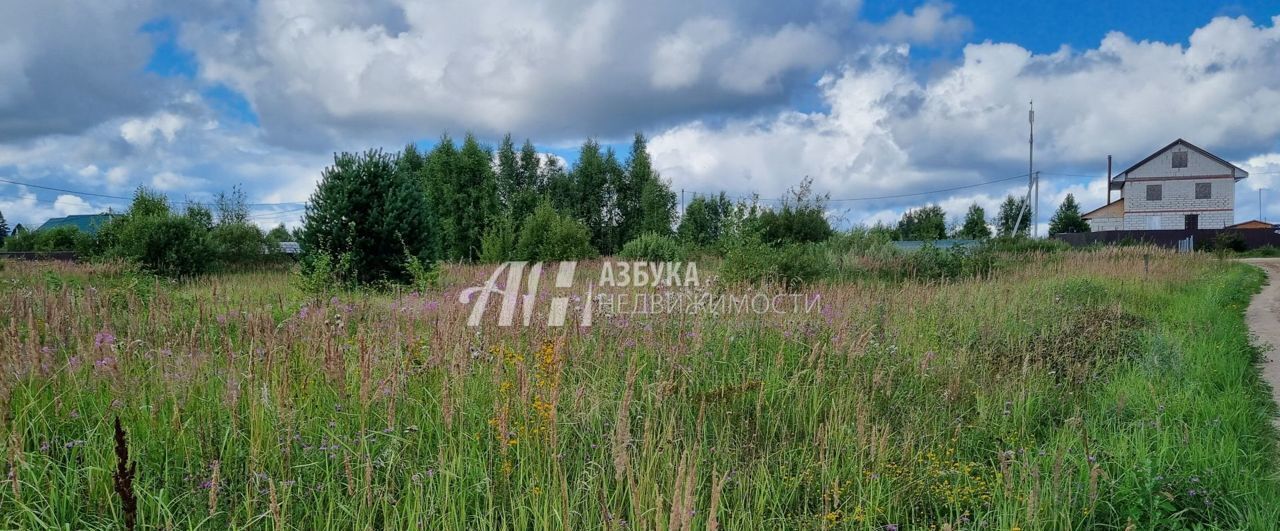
column 1260, row 204
column 1031, row 167
column 682, row 203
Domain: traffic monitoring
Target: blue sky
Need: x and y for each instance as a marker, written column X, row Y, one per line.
column 870, row 99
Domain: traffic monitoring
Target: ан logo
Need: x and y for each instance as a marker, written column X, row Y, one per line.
column 511, row 295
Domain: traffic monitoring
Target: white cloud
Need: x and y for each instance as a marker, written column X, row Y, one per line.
column 317, row 72
column 928, row 23
column 678, row 58
column 757, row 66
column 67, row 204
column 167, row 181
column 89, row 171
column 887, row 131
column 142, row 132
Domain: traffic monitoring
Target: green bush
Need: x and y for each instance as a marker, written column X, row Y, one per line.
column 499, row 242
column 654, row 248
column 240, row 245
column 64, row 238
column 547, row 235
column 791, row 265
column 164, row 244
column 1023, row 244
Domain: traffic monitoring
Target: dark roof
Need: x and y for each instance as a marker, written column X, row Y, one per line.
column 88, row 223
column 1119, row 177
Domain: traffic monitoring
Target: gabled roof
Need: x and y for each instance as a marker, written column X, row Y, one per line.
column 87, row 223
column 1252, row 224
column 1236, row 171
column 1114, row 209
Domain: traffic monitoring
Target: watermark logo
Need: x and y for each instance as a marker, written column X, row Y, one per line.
column 622, row 288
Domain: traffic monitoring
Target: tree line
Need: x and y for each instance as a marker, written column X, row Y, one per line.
column 1012, row 220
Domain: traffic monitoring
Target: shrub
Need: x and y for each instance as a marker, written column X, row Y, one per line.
column 802, row 219
column 1023, row 244
column 547, row 235
column 1229, row 241
column 653, row 248
column 238, row 245
column 790, row 265
column 163, row 244
column 499, row 242
column 64, row 238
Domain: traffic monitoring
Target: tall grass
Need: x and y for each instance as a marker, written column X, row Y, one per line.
column 1081, row 391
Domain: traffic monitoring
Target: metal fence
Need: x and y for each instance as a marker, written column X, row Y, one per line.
column 1173, row 239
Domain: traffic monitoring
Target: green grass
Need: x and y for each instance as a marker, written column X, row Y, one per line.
column 1077, row 393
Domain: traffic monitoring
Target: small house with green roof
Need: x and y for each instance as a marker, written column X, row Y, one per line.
column 87, row 223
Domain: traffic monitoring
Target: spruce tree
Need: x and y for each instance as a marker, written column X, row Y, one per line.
column 4, row 229
column 368, row 219
column 975, row 226
column 1067, row 218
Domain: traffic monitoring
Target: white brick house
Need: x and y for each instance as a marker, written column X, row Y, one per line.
column 1178, row 187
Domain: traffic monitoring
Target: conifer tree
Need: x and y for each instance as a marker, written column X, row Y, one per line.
column 4, row 229
column 1067, row 218
column 368, row 217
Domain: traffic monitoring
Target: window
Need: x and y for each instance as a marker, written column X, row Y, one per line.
column 1179, row 159
column 1204, row 190
column 1154, row 192
column 1191, row 221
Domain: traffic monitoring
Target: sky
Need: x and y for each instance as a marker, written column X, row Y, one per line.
column 908, row 102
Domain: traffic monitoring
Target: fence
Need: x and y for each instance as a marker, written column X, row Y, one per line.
column 61, row 256
column 1252, row 238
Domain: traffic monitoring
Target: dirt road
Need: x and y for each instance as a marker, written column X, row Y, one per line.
column 1263, row 317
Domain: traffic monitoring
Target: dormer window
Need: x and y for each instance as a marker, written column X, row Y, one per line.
column 1179, row 159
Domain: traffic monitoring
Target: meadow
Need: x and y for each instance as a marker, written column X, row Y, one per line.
column 1109, row 389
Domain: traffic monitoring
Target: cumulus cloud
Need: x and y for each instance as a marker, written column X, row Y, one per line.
column 143, row 131
column 886, row 130
column 678, row 57
column 319, row 72
column 929, row 23
column 67, row 65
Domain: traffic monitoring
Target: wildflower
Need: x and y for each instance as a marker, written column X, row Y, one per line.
column 104, row 338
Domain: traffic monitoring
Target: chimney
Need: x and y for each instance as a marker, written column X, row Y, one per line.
column 1108, row 179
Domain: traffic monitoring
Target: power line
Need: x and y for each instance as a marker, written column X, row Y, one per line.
column 123, row 198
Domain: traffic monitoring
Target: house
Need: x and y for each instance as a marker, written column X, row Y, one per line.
column 1181, row 186
column 1253, row 224
column 87, row 223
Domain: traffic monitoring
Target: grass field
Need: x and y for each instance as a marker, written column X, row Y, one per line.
column 1077, row 391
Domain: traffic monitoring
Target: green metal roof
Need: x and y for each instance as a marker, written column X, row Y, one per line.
column 87, row 223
